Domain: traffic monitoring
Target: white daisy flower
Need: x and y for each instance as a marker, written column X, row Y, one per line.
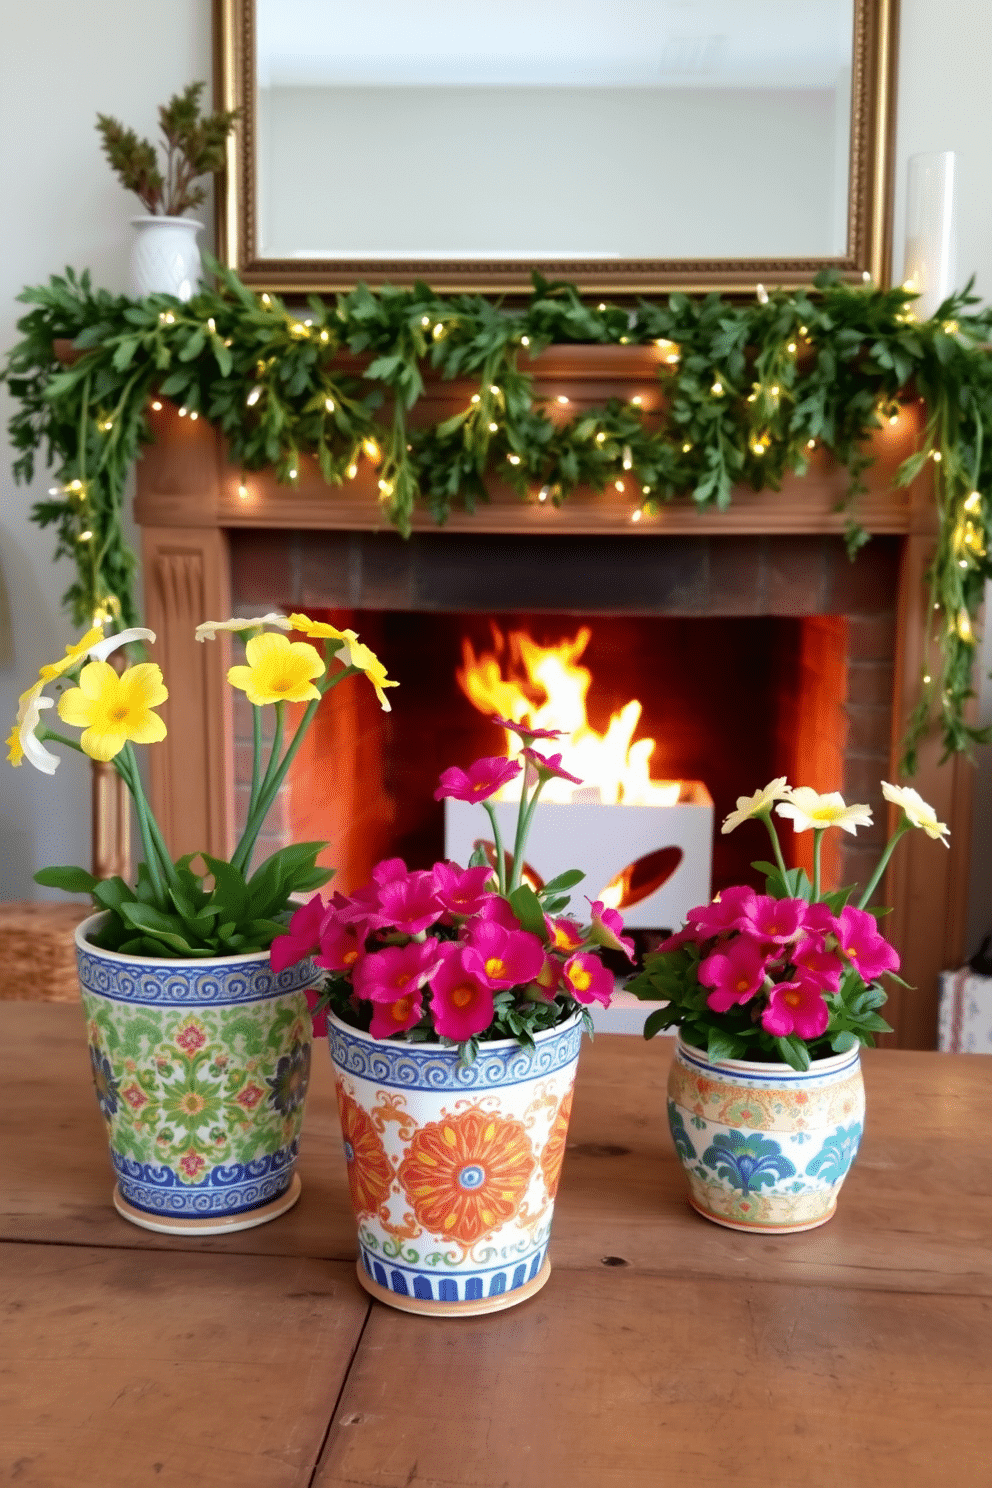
column 748, row 806
column 808, row 808
column 208, row 630
column 918, row 813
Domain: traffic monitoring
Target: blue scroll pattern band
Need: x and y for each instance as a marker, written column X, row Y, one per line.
column 155, row 984
column 233, row 1189
column 423, row 1066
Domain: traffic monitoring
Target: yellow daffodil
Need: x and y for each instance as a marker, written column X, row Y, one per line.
column 278, row 671
column 320, row 630
column 353, row 653
column 21, row 741
column 810, row 809
column 918, row 813
column 95, row 645
column 73, row 655
column 748, row 806
column 358, row 655
column 114, row 709
column 208, row 630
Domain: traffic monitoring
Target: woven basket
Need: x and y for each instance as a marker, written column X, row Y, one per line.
column 37, row 951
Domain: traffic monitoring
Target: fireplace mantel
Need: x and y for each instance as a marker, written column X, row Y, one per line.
column 190, row 500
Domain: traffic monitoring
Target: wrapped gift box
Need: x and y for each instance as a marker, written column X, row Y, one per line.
column 965, row 1020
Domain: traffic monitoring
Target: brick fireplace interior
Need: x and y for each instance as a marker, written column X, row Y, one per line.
column 752, row 657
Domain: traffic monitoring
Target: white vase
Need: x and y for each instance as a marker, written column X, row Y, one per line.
column 165, row 258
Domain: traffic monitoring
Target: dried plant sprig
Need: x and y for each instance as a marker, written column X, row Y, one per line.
column 194, row 147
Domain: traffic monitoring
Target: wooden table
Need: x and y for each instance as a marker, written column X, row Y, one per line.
column 664, row 1350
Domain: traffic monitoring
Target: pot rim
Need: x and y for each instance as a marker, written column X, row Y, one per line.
column 126, row 959
column 164, row 217
column 433, row 1046
column 777, row 1071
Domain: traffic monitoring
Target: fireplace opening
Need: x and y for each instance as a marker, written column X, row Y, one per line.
column 731, row 702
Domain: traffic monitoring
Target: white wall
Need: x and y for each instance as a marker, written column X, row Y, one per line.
column 63, row 60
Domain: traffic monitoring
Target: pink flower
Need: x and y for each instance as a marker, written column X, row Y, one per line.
column 548, row 767
column 461, row 1002
column 410, row 903
column 494, row 910
column 482, row 779
column 795, row 1007
column 587, row 979
column 681, row 938
column 777, row 920
column 819, row 919
column 549, row 977
column 858, row 938
column 303, row 936
column 566, row 935
column 723, row 914
column 462, row 891
column 819, row 966
column 319, row 1020
column 606, row 927
column 526, row 732
column 396, row 971
column 388, row 870
column 502, row 958
column 735, row 972
column 340, row 947
column 397, row 1015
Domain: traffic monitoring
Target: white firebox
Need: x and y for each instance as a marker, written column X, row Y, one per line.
column 628, row 847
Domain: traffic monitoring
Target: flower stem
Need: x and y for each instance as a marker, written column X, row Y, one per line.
column 127, row 769
column 817, row 847
column 256, row 757
column 498, row 844
column 883, row 861
column 524, row 820
column 766, row 817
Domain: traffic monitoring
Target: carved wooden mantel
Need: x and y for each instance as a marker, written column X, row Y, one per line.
column 188, row 501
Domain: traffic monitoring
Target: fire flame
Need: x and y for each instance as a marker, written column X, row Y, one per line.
column 552, row 694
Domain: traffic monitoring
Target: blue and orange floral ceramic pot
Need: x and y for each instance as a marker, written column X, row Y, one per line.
column 453, row 1172
column 201, row 1068
column 765, row 1147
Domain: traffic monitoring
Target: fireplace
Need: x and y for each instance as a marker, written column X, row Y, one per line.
column 767, row 580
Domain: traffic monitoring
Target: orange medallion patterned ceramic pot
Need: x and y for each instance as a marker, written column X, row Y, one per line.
column 765, row 1147
column 452, row 1171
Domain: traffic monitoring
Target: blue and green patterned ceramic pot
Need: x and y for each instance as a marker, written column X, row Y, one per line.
column 452, row 1171
column 765, row 1147
column 201, row 1068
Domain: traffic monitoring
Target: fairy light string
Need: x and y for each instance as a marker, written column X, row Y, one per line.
column 747, row 392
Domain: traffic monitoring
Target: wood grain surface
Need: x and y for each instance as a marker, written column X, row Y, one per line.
column 664, row 1350
column 610, row 1379
column 122, row 1367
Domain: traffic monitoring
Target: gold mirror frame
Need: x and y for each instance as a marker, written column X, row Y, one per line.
column 874, row 58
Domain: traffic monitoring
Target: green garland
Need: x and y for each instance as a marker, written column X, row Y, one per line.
column 748, row 389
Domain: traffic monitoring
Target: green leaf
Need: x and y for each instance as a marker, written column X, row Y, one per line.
column 842, row 1042
column 656, row 1021
column 566, row 880
column 794, row 1051
column 527, row 908
column 721, row 1044
column 71, row 880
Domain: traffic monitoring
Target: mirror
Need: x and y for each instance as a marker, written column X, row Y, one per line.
column 657, row 144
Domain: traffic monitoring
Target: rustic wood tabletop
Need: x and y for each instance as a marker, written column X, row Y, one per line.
column 664, row 1349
